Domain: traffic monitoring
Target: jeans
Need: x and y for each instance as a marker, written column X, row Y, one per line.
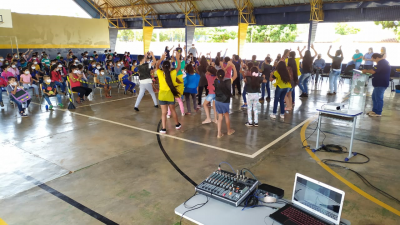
column 377, row 99
column 333, row 80
column 129, row 85
column 280, row 97
column 263, row 86
column 48, row 98
column 19, row 104
column 317, row 72
column 303, row 82
column 1, row 94
column 237, row 84
column 357, row 64
column 62, row 85
column 244, row 94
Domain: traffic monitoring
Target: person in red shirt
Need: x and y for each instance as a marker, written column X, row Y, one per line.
column 211, row 75
column 3, row 84
column 56, row 78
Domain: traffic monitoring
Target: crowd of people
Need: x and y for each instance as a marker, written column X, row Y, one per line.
column 182, row 75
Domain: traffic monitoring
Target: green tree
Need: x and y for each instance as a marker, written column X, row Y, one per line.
column 344, row 29
column 391, row 25
column 219, row 35
column 271, row 33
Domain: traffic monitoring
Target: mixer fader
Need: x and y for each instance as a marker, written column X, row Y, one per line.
column 227, row 187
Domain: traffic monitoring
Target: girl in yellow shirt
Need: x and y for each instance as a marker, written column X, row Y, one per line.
column 283, row 85
column 168, row 90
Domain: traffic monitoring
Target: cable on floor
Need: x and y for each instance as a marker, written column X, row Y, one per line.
column 170, row 160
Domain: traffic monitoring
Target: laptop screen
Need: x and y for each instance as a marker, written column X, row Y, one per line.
column 318, row 198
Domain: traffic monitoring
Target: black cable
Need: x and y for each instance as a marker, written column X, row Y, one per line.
column 170, row 160
column 338, row 149
column 191, row 208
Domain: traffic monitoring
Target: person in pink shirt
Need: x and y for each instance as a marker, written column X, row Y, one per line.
column 211, row 75
column 227, row 67
column 27, row 81
column 14, row 69
column 6, row 72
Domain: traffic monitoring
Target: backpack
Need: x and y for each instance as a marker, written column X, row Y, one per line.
column 21, row 96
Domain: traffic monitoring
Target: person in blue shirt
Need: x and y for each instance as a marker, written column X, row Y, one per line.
column 368, row 62
column 380, row 81
column 190, row 82
column 319, row 65
column 124, row 78
column 356, row 60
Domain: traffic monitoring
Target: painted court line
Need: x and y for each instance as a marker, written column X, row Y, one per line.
column 105, row 102
column 194, row 142
column 187, row 140
column 348, row 183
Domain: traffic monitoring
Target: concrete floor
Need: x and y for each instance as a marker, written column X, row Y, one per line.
column 99, row 156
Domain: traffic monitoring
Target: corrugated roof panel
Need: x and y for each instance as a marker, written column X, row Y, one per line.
column 166, row 8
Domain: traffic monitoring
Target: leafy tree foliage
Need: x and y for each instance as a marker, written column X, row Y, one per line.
column 272, row 33
column 344, row 29
column 391, row 25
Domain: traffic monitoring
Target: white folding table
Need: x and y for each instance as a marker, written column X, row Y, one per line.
column 347, row 115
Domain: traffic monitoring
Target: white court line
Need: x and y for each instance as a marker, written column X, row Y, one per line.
column 281, row 137
column 104, row 102
column 194, row 142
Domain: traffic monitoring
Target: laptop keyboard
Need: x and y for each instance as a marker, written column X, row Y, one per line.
column 320, row 210
column 300, row 218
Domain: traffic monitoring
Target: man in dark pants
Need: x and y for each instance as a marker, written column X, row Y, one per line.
column 236, row 82
column 380, row 81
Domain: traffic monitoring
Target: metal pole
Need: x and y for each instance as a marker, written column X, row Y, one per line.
column 318, row 127
column 352, row 136
column 16, row 44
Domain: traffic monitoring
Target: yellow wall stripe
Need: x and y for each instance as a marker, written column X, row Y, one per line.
column 52, row 46
column 348, row 183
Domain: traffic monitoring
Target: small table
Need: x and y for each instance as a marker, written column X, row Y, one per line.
column 347, row 115
column 219, row 213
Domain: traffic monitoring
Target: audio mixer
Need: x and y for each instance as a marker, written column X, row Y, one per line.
column 227, row 187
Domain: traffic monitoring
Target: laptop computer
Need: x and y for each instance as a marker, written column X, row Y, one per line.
column 313, row 203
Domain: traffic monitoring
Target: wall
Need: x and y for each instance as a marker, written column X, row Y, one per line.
column 55, row 33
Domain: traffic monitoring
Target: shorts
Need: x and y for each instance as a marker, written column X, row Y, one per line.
column 222, row 107
column 210, row 97
column 166, row 103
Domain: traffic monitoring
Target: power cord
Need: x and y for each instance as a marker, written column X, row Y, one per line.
column 219, row 166
column 245, row 169
column 191, row 208
column 338, row 149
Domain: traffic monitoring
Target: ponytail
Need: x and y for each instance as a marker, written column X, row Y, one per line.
column 166, row 66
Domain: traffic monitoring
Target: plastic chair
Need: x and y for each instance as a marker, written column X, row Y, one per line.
column 96, row 85
column 41, row 96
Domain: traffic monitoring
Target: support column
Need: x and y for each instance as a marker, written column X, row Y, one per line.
column 242, row 31
column 113, row 32
column 147, row 34
column 312, row 32
column 189, row 36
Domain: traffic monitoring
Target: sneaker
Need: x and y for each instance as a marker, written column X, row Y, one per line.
column 136, row 109
column 305, row 96
column 51, row 107
column 273, row 116
column 244, row 106
column 23, row 115
column 163, row 131
column 334, row 93
column 178, row 126
column 282, row 116
column 370, row 112
column 268, row 99
column 302, row 95
column 249, row 124
column 261, row 100
column 1, row 104
column 183, row 114
column 256, row 124
column 373, row 114
column 330, row 93
column 168, row 116
column 61, row 105
column 156, row 106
